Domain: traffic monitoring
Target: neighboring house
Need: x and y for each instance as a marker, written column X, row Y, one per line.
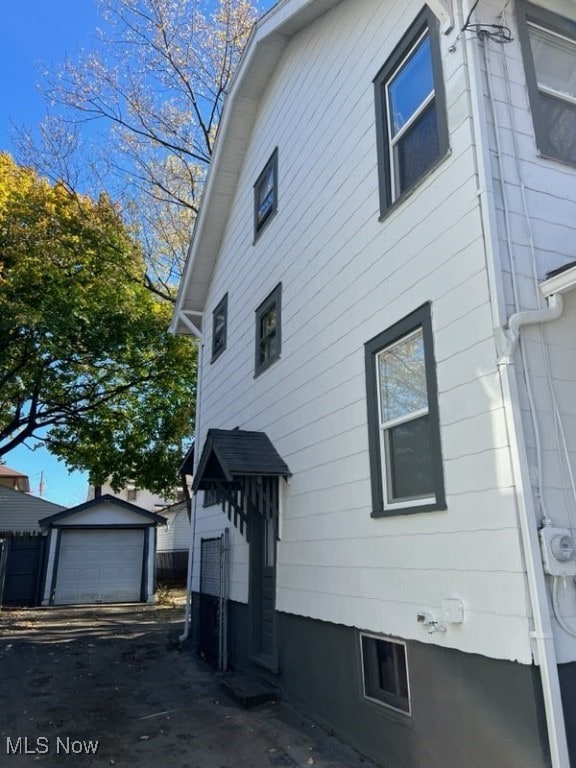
column 20, row 512
column 22, row 545
column 172, row 539
column 101, row 551
column 383, row 279
column 10, row 478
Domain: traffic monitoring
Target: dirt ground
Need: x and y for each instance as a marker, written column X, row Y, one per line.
column 107, row 686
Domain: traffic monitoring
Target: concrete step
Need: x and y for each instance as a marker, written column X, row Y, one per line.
column 248, row 691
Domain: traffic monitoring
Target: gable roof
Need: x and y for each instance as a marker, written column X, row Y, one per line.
column 105, row 499
column 268, row 40
column 232, row 453
column 20, row 512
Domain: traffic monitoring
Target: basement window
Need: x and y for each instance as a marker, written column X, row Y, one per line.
column 385, row 672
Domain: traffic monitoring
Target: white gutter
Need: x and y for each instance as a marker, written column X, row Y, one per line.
column 508, row 338
column 561, row 283
column 542, row 635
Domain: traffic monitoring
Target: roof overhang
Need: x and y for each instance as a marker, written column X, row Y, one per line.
column 148, row 518
column 242, row 469
column 265, row 47
column 231, row 454
column 559, row 281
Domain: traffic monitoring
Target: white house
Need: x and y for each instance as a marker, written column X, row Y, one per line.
column 383, row 280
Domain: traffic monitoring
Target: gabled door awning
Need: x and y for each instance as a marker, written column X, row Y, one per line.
column 241, row 468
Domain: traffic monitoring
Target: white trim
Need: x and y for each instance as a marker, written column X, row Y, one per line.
column 544, row 651
column 443, row 11
column 561, row 283
column 381, row 702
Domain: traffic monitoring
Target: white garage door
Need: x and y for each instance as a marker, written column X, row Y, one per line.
column 99, row 566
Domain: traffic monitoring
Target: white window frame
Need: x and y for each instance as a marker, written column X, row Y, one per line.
column 382, row 702
column 386, row 426
column 394, row 140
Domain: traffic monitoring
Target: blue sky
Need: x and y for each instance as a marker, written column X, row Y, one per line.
column 35, row 33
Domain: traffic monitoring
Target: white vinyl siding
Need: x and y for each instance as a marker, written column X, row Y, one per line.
column 346, row 277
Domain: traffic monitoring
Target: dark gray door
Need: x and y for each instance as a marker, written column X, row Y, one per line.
column 210, row 600
column 263, row 592
column 24, row 565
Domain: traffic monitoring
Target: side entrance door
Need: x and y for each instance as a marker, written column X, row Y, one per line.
column 263, row 590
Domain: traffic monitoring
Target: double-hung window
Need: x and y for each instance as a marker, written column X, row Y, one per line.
column 549, row 49
column 268, row 330
column 403, row 424
column 412, row 132
column 266, row 194
column 219, row 328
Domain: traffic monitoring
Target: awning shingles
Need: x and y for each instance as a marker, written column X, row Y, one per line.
column 230, row 454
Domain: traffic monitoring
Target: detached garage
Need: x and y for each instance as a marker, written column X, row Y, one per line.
column 102, row 551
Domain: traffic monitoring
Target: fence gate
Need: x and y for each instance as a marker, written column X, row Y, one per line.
column 23, row 565
column 212, row 606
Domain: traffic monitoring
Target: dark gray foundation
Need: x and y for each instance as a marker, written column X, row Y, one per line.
column 567, row 674
column 468, row 711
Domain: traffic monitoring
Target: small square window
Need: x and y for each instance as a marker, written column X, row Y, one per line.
column 410, row 111
column 266, row 194
column 549, row 50
column 385, row 672
column 268, row 330
column 403, row 423
column 219, row 328
column 211, row 497
column 131, row 494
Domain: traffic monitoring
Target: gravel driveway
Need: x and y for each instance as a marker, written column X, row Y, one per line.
column 104, row 686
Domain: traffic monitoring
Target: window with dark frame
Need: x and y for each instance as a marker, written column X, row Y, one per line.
column 211, row 497
column 219, row 328
column 268, row 330
column 266, row 194
column 412, row 131
column 385, row 672
column 403, row 421
column 549, row 49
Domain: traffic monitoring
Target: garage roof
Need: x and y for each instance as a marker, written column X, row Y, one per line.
column 105, row 499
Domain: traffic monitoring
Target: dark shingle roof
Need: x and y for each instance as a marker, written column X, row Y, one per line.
column 559, row 270
column 231, row 453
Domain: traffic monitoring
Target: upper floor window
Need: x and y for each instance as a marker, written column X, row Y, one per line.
column 219, row 327
column 403, row 424
column 266, row 194
column 411, row 123
column 549, row 48
column 268, row 330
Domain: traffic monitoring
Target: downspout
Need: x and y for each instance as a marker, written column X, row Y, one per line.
column 508, row 338
column 542, row 635
column 188, row 608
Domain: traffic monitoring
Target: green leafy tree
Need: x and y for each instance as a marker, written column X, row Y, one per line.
column 151, row 94
column 87, row 366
